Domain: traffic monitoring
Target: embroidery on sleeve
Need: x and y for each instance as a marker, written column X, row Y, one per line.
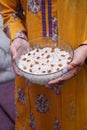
column 34, row 6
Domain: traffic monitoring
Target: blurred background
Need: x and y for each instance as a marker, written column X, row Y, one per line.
column 7, row 77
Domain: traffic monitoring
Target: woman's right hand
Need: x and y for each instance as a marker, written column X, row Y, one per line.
column 13, row 49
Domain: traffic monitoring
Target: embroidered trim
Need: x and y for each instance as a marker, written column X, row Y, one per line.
column 43, row 18
column 34, row 6
column 42, row 104
column 50, row 17
column 32, row 122
column 54, row 29
column 21, row 34
column 57, row 125
column 6, row 31
column 14, row 16
column 21, row 96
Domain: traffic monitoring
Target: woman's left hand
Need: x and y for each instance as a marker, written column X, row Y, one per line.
column 71, row 70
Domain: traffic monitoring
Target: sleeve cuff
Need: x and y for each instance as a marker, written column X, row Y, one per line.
column 12, row 29
column 21, row 34
column 84, row 43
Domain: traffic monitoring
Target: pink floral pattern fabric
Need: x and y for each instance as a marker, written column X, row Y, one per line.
column 21, row 96
column 6, row 30
column 42, row 103
column 14, row 16
column 34, row 6
column 54, row 29
column 21, row 34
column 32, row 122
column 57, row 125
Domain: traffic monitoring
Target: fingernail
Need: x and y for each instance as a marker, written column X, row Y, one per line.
column 64, row 71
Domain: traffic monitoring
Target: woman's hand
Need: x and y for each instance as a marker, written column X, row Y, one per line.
column 13, row 49
column 71, row 70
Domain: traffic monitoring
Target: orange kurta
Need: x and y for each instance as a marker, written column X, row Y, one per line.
column 55, row 108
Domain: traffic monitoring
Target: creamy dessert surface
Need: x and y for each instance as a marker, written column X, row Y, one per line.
column 44, row 61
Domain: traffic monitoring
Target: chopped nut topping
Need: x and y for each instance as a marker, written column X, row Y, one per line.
column 38, row 57
column 33, row 53
column 57, row 69
column 28, row 60
column 69, row 58
column 59, row 59
column 43, row 71
column 37, row 50
column 36, row 62
column 60, row 65
column 29, row 54
column 42, row 63
column 46, row 51
column 52, row 65
column 24, row 67
column 39, row 68
column 52, row 50
column 30, row 70
column 63, row 55
column 48, row 56
column 49, row 71
column 24, row 59
column 31, row 65
column 42, row 54
column 47, row 61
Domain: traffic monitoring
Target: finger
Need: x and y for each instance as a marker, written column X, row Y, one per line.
column 13, row 52
column 71, row 73
column 58, row 81
column 65, row 77
column 64, row 71
column 69, row 67
column 16, row 70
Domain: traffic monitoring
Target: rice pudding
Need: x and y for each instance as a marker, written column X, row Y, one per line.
column 44, row 61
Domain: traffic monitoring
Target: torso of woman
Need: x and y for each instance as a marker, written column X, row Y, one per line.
column 61, row 107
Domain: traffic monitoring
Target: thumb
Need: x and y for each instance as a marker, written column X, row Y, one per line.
column 13, row 52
